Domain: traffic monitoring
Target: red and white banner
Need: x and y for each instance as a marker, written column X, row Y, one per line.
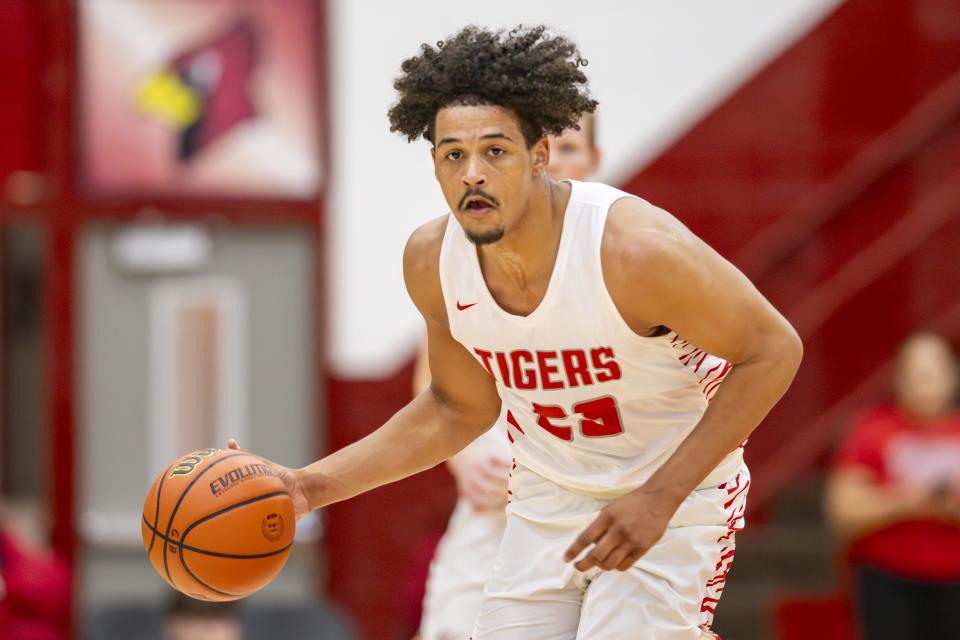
column 214, row 98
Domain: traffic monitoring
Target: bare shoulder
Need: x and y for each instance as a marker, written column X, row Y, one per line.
column 422, row 252
column 652, row 264
column 421, row 266
column 645, row 244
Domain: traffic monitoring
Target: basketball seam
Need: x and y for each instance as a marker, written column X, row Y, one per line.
column 183, row 560
column 236, row 505
column 204, row 584
column 183, row 546
column 231, row 556
column 156, row 515
column 183, row 494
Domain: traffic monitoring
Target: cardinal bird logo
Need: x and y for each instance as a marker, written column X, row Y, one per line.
column 203, row 92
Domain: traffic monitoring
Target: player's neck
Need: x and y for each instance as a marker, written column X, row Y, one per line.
column 527, row 253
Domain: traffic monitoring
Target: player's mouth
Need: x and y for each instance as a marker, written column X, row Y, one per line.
column 478, row 206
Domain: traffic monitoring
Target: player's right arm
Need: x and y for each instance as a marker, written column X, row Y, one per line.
column 480, row 469
column 460, row 404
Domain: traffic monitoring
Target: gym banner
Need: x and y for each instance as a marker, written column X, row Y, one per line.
column 217, row 98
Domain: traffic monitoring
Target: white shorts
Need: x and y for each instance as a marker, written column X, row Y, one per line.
column 459, row 569
column 669, row 594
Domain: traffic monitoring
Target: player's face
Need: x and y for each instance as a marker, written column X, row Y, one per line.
column 926, row 377
column 571, row 154
column 184, row 628
column 486, row 172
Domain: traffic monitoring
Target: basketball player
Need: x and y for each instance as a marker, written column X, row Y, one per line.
column 603, row 325
column 468, row 548
column 190, row 619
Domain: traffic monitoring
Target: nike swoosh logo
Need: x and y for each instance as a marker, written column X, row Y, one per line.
column 461, row 307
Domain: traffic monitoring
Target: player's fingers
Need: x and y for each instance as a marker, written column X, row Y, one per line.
column 616, row 558
column 472, row 495
column 489, row 476
column 479, row 483
column 494, row 471
column 630, row 560
column 478, row 495
column 496, row 492
column 589, row 535
column 232, row 444
column 597, row 557
column 495, row 485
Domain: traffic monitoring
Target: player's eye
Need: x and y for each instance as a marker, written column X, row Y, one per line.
column 496, row 151
column 454, row 155
column 567, row 148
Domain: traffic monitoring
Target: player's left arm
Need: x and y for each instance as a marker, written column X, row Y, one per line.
column 660, row 274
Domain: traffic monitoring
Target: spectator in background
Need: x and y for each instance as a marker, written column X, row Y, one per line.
column 894, row 494
column 189, row 619
column 34, row 583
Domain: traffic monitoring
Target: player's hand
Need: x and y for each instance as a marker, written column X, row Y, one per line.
column 290, row 478
column 625, row 530
column 481, row 475
column 945, row 506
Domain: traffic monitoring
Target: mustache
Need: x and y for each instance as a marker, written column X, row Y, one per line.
column 470, row 193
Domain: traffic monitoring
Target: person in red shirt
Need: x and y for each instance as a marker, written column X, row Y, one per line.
column 34, row 588
column 894, row 495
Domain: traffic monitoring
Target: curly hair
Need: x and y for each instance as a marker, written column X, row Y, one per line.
column 527, row 70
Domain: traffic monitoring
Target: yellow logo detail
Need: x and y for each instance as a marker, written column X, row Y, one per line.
column 187, row 464
column 164, row 95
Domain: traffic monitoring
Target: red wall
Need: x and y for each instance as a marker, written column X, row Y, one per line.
column 830, row 179
column 22, row 52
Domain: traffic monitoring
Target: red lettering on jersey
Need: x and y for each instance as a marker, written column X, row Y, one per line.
column 612, row 368
column 548, row 411
column 601, row 417
column 485, row 357
column 524, row 378
column 504, row 369
column 547, row 369
column 575, row 365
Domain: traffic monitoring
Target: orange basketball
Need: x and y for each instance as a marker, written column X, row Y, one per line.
column 218, row 524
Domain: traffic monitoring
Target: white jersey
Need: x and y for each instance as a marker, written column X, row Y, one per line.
column 591, row 405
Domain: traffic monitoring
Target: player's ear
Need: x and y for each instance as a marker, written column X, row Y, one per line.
column 540, row 154
column 433, row 153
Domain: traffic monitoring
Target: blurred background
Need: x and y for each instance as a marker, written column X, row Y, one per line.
column 202, row 215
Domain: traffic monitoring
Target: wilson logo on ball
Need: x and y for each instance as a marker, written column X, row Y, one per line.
column 188, row 463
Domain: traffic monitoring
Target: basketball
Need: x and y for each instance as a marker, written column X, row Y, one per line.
column 218, row 524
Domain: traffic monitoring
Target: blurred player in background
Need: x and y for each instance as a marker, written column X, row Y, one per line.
column 895, row 496
column 466, row 553
column 604, row 327
column 190, row 619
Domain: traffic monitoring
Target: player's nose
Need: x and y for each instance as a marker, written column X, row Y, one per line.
column 473, row 175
